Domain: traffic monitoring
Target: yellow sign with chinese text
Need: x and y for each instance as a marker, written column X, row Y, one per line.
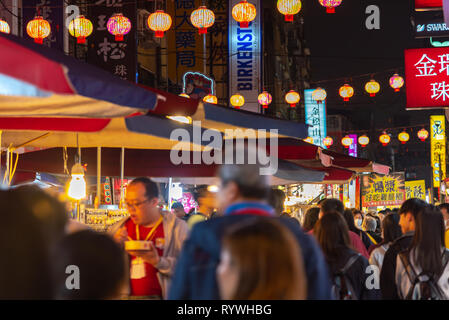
column 438, row 149
column 415, row 189
column 380, row 190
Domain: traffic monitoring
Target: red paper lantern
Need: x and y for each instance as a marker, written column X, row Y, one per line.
column 4, row 26
column 403, row 137
column 289, row 8
column 330, row 5
column 159, row 22
column 292, row 98
column 244, row 12
column 80, row 28
column 264, row 99
column 346, row 92
column 384, row 139
column 202, row 18
column 423, row 134
column 119, row 25
column 38, row 29
column 363, row 141
column 346, row 141
column 328, row 141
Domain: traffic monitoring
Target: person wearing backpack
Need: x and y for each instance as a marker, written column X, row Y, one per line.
column 348, row 268
column 422, row 271
column 408, row 213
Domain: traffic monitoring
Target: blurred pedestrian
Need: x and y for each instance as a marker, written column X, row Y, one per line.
column 374, row 215
column 349, row 218
column 261, row 260
column 149, row 270
column 422, row 271
column 98, row 267
column 207, row 205
column 348, row 268
column 408, row 214
column 358, row 218
column 335, row 205
column 243, row 194
column 276, row 200
column 444, row 208
column 178, row 209
column 369, row 226
column 390, row 232
column 311, row 218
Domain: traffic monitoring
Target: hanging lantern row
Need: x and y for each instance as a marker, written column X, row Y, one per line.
column 364, row 140
column 372, row 87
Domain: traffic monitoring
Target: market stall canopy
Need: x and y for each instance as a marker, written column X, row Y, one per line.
column 358, row 165
column 84, row 132
column 153, row 163
column 37, row 81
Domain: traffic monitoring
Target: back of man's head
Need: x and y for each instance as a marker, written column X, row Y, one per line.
column 251, row 184
column 330, row 205
column 413, row 206
column 276, row 200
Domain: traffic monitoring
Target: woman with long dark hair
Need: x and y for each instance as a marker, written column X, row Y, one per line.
column 332, row 234
column 391, row 230
column 310, row 218
column 427, row 257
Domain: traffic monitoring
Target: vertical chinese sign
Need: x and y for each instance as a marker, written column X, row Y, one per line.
column 245, row 55
column 353, row 147
column 118, row 57
column 427, row 78
column 438, row 149
column 415, row 189
column 184, row 44
column 53, row 12
column 383, row 190
column 315, row 118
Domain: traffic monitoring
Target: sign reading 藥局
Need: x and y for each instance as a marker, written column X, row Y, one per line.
column 245, row 58
column 438, row 149
column 415, row 189
column 315, row 118
column 427, row 78
column 380, row 190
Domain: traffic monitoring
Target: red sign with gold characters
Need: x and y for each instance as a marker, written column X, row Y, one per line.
column 427, row 78
column 378, row 190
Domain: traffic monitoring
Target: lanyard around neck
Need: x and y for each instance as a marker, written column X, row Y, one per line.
column 151, row 231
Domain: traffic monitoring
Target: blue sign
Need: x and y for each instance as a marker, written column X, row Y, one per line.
column 315, row 118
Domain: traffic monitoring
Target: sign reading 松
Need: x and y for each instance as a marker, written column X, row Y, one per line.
column 427, row 78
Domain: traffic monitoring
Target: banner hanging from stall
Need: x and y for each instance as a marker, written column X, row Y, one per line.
column 438, row 148
column 245, row 62
column 315, row 118
column 415, row 189
column 117, row 57
column 380, row 190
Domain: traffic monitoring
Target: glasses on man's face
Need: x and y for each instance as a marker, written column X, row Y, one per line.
column 135, row 205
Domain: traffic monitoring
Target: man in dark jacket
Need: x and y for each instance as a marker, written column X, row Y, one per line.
column 408, row 214
column 243, row 193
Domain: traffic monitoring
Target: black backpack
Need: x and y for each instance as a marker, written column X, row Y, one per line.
column 342, row 287
column 424, row 286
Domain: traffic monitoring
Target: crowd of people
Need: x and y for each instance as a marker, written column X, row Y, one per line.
column 239, row 245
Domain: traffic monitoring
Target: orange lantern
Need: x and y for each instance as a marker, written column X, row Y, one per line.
column 210, row 98
column 80, row 28
column 159, row 22
column 292, row 98
column 403, row 137
column 237, row 100
column 363, row 141
column 396, row 82
column 309, row 140
column 4, row 26
column 202, row 18
column 319, row 95
column 289, row 8
column 185, row 95
column 244, row 12
column 330, row 5
column 346, row 92
column 346, row 141
column 423, row 134
column 264, row 99
column 384, row 139
column 38, row 29
column 328, row 141
column 119, row 25
column 372, row 87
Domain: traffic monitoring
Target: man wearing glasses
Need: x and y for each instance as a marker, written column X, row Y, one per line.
column 149, row 270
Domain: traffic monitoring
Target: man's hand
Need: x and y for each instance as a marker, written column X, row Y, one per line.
column 150, row 256
column 121, row 235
